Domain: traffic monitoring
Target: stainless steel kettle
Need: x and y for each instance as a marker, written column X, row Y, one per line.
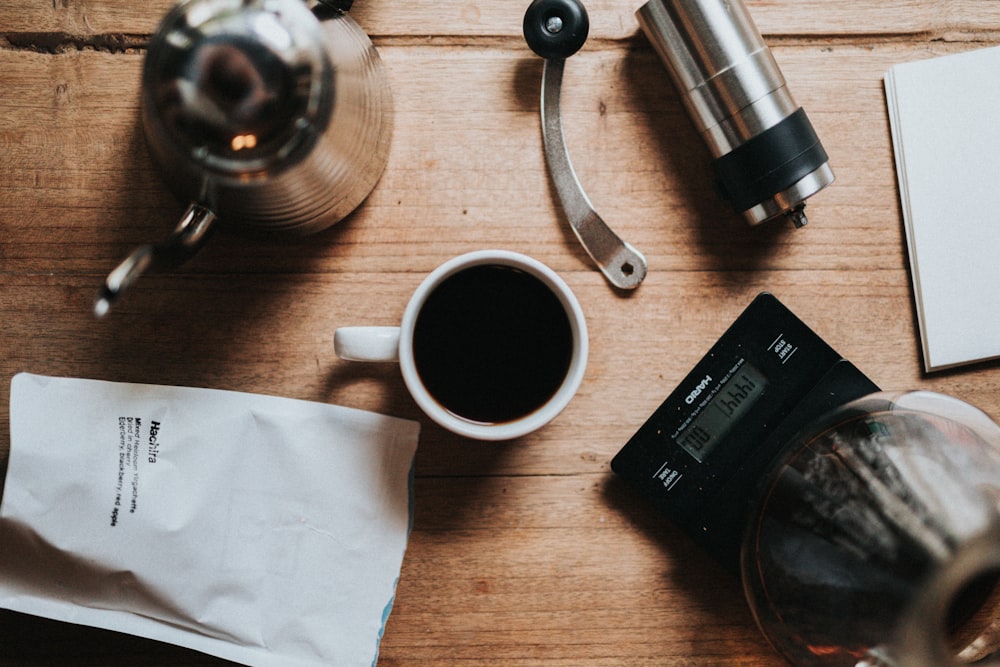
column 268, row 115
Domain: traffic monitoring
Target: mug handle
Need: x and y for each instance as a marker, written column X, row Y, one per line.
column 367, row 343
column 187, row 238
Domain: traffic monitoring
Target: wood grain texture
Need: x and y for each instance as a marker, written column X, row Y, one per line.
column 523, row 553
column 610, row 19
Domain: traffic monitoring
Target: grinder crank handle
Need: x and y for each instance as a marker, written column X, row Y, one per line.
column 555, row 30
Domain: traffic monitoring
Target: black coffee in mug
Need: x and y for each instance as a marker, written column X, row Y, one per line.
column 492, row 343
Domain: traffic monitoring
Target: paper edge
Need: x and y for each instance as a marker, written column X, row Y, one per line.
column 902, row 181
column 387, row 611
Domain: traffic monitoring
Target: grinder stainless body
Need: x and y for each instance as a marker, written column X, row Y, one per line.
column 768, row 159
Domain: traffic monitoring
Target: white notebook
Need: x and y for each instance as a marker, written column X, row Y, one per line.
column 945, row 119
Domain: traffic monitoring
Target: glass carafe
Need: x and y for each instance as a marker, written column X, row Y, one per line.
column 877, row 539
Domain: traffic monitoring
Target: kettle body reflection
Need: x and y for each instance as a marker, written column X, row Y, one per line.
column 264, row 115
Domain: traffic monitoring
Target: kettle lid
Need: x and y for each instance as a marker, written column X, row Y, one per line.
column 239, row 84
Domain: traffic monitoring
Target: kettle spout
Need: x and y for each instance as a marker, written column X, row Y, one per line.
column 190, row 235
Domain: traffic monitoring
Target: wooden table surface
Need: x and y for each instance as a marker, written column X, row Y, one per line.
column 527, row 552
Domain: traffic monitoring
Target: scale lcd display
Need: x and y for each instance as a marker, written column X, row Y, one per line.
column 734, row 397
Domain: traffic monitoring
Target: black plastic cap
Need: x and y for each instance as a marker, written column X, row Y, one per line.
column 556, row 28
column 770, row 162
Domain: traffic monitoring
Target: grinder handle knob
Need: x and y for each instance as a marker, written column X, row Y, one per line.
column 556, row 28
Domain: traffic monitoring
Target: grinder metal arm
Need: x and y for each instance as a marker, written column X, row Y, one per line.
column 555, row 30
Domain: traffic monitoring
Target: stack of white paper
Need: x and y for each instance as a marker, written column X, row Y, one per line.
column 945, row 119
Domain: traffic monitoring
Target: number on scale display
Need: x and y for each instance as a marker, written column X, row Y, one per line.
column 732, row 400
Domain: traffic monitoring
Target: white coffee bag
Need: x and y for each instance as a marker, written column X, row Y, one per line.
column 263, row 530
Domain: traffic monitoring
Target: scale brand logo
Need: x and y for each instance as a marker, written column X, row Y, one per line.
column 693, row 396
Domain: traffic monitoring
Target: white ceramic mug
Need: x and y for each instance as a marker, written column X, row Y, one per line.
column 470, row 289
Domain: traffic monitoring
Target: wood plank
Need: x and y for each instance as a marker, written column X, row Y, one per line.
column 610, row 19
column 258, row 333
column 68, row 179
column 622, row 593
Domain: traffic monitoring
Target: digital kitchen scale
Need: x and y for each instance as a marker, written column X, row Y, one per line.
column 704, row 452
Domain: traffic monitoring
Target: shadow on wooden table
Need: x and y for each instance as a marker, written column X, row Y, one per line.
column 28, row 641
column 689, row 572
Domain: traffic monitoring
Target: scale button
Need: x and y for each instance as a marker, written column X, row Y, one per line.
column 783, row 348
column 668, row 476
